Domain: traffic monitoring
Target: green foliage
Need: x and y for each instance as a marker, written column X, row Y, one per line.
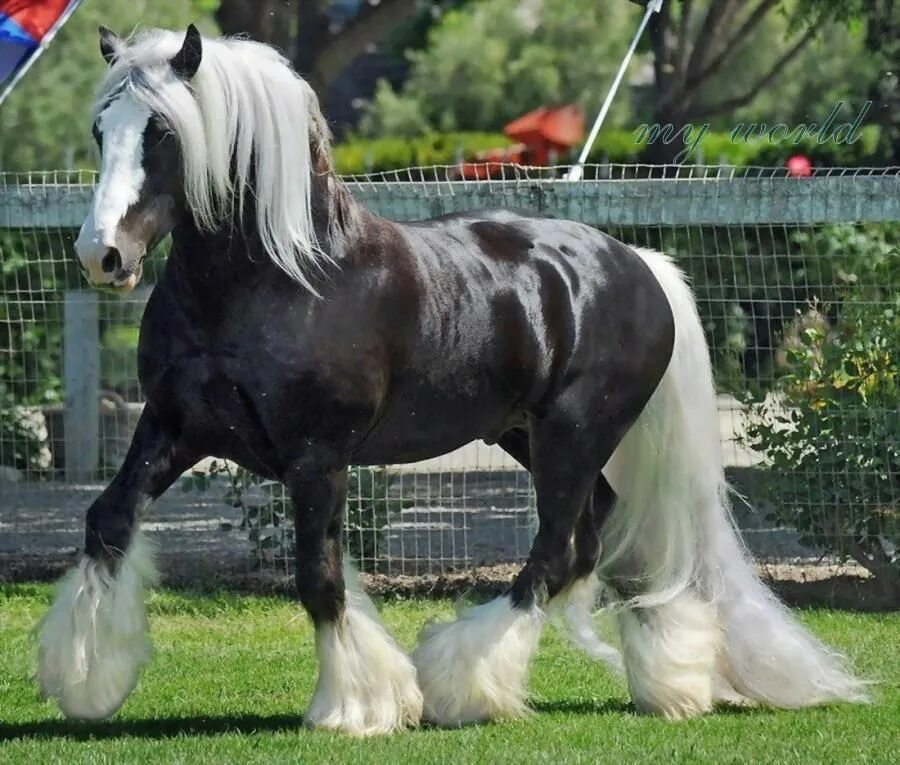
column 395, row 115
column 360, row 156
column 357, row 156
column 832, row 435
column 862, row 152
column 265, row 509
column 489, row 62
column 45, row 120
column 30, row 339
column 834, row 67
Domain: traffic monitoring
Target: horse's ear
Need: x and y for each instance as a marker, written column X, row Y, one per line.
column 109, row 44
column 186, row 62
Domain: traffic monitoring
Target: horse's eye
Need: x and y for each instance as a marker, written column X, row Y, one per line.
column 161, row 125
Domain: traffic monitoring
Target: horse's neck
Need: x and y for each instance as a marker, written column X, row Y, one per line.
column 214, row 264
column 221, row 261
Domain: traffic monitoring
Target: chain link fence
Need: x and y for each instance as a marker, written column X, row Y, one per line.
column 797, row 281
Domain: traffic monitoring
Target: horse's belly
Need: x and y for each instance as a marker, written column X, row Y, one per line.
column 413, row 428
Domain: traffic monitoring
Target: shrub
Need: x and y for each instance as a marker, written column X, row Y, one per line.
column 832, row 438
column 357, row 156
column 361, row 156
column 32, row 264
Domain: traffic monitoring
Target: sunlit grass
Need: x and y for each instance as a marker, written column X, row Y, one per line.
column 232, row 675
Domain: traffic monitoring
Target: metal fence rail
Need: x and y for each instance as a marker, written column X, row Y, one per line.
column 837, row 196
column 772, row 259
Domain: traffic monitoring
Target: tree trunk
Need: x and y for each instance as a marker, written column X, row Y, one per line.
column 313, row 36
column 323, row 53
column 267, row 21
column 683, row 67
column 667, row 56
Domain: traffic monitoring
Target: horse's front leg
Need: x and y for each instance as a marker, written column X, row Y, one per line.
column 366, row 684
column 92, row 641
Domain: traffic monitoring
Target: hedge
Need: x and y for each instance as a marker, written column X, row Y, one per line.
column 359, row 156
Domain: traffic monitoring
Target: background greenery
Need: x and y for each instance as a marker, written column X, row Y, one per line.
column 359, row 155
column 476, row 64
column 832, row 436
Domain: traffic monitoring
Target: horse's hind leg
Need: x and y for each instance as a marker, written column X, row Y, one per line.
column 475, row 668
column 366, row 684
column 578, row 600
column 92, row 642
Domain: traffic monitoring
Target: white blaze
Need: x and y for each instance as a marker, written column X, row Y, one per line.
column 122, row 126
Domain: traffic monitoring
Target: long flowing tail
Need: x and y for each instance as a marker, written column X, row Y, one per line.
column 697, row 623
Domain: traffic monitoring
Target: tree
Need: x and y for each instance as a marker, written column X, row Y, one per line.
column 881, row 21
column 321, row 48
column 264, row 20
column 490, row 61
column 695, row 42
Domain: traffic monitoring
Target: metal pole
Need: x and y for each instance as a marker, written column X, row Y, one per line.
column 654, row 6
column 48, row 38
column 81, row 371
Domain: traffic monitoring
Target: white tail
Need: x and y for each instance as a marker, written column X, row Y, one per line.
column 697, row 623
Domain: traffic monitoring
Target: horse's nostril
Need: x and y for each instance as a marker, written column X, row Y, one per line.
column 112, row 261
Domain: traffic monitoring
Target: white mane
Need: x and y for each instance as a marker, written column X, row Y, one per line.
column 245, row 118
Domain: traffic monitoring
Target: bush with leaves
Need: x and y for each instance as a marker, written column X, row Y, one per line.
column 832, row 437
column 421, row 147
column 35, row 266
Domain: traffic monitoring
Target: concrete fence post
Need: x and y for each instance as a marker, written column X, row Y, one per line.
column 81, row 371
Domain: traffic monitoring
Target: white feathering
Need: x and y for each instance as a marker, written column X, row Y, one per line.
column 672, row 536
column 366, row 685
column 93, row 640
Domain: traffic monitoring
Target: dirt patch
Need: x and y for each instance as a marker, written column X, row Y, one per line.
column 843, row 586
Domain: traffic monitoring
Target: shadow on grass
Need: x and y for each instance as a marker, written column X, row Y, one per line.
column 620, row 707
column 153, row 728
column 595, row 707
column 172, row 727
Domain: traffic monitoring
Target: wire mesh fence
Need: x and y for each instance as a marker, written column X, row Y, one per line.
column 797, row 283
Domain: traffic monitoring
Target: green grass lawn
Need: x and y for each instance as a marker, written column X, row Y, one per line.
column 232, row 675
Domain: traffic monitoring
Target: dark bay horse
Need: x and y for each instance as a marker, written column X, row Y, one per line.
column 296, row 333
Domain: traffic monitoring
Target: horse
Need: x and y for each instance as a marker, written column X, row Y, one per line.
column 295, row 332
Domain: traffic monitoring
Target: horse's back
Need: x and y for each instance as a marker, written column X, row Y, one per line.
column 513, row 311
